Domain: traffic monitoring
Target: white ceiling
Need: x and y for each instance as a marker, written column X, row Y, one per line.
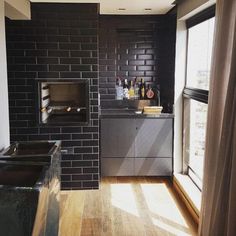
column 124, row 7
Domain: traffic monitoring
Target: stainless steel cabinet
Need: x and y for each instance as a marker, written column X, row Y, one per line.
column 153, row 138
column 117, row 137
column 136, row 147
column 117, row 166
column 153, row 167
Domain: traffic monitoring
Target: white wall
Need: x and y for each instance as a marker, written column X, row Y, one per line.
column 188, row 8
column 180, row 67
column 17, row 9
column 4, row 115
column 14, row 9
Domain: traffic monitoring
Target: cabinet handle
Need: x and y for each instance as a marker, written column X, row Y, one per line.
column 64, row 151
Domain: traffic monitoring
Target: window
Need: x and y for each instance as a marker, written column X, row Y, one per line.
column 200, row 40
column 199, row 52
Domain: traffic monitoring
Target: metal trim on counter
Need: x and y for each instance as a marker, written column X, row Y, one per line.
column 132, row 114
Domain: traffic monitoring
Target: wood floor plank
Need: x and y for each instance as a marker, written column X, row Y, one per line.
column 125, row 206
column 71, row 212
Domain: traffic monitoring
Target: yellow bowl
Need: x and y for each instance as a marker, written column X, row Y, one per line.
column 152, row 109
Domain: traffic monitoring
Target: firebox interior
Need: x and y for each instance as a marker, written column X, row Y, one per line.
column 64, row 102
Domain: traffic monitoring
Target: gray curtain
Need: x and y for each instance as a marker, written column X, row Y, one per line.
column 218, row 213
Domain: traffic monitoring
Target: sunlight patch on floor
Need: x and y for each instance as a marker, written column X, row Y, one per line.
column 169, row 228
column 163, row 208
column 122, row 196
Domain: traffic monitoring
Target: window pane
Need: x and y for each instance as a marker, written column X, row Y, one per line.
column 200, row 40
column 197, row 133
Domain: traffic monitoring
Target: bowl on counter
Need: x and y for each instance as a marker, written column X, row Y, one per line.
column 152, row 110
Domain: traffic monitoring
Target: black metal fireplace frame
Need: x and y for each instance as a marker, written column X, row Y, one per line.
column 63, row 81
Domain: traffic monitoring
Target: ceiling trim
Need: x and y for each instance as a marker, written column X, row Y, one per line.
column 124, row 7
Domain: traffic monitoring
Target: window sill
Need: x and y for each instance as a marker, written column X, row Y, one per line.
column 190, row 194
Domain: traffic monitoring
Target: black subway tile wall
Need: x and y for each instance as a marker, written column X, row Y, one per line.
column 137, row 46
column 61, row 41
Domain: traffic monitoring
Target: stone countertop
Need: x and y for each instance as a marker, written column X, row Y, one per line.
column 128, row 113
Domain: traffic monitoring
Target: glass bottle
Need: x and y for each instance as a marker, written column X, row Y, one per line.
column 136, row 89
column 131, row 90
column 126, row 90
column 142, row 89
column 119, row 89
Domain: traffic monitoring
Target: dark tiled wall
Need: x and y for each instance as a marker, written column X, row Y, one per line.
column 61, row 41
column 137, row 46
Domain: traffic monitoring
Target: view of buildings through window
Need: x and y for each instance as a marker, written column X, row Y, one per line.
column 198, row 120
column 200, row 41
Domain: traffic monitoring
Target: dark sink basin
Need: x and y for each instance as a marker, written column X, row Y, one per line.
column 23, row 198
column 31, row 148
column 37, row 154
column 12, row 174
column 41, row 151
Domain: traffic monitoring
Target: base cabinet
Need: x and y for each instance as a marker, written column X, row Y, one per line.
column 136, row 167
column 153, row 167
column 117, row 167
column 117, row 137
column 153, row 138
column 136, row 147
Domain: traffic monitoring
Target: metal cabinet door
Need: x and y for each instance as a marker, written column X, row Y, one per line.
column 153, row 166
column 117, row 137
column 153, row 138
column 117, row 166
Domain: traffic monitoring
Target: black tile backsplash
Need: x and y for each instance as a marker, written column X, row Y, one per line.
column 137, row 46
column 59, row 42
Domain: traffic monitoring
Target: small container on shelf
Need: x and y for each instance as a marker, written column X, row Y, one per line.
column 149, row 93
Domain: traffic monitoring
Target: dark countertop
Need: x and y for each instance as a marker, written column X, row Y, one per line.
column 127, row 113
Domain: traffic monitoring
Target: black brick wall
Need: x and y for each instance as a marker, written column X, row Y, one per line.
column 61, row 41
column 137, row 46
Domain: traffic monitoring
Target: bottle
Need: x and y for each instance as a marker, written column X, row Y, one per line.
column 149, row 93
column 136, row 89
column 131, row 90
column 126, row 90
column 142, row 89
column 119, row 89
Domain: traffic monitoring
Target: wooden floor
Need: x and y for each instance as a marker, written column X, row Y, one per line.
column 125, row 207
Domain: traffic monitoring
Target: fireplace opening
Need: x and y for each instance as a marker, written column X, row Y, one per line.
column 64, row 102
